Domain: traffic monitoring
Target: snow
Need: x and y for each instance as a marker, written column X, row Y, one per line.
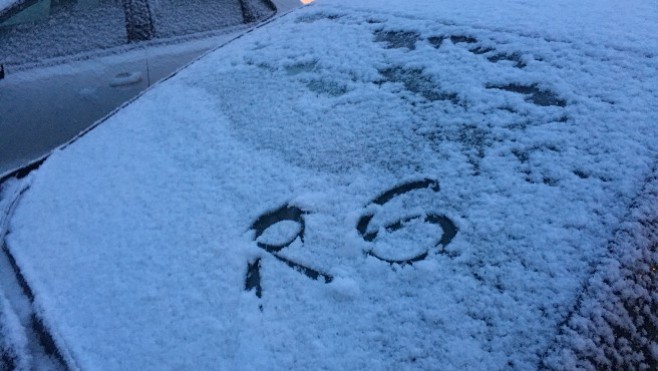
column 331, row 125
column 75, row 94
column 73, row 91
column 77, row 29
column 615, row 322
column 13, row 343
column 4, row 4
column 23, row 343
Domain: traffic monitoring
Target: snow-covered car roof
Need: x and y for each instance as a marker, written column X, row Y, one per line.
column 359, row 185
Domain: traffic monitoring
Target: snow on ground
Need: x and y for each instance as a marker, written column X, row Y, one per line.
column 355, row 185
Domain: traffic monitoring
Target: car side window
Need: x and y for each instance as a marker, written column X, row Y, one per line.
column 32, row 31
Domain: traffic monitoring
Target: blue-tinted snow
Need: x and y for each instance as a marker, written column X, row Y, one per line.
column 13, row 343
column 4, row 4
column 13, row 339
column 536, row 120
column 614, row 324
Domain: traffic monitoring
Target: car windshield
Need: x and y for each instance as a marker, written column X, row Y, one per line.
column 381, row 184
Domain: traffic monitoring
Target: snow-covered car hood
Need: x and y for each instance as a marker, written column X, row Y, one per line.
column 366, row 185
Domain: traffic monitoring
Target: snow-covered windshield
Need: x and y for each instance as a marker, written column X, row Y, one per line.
column 363, row 185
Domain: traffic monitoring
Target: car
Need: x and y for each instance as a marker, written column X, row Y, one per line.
column 69, row 63
column 358, row 185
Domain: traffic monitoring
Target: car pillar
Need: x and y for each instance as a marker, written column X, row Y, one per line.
column 248, row 15
column 139, row 20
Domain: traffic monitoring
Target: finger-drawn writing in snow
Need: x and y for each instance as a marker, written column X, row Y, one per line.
column 286, row 225
column 268, row 221
column 378, row 234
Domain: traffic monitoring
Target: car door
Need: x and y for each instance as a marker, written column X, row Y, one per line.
column 68, row 63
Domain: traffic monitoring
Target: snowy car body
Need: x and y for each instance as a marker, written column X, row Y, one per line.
column 69, row 63
column 361, row 186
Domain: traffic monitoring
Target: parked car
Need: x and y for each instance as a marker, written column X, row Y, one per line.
column 359, row 185
column 69, row 63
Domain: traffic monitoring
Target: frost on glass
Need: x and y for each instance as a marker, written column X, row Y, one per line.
column 32, row 31
column 66, row 28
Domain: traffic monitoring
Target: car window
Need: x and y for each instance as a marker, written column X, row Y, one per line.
column 51, row 29
column 33, row 31
column 182, row 17
column 99, row 44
